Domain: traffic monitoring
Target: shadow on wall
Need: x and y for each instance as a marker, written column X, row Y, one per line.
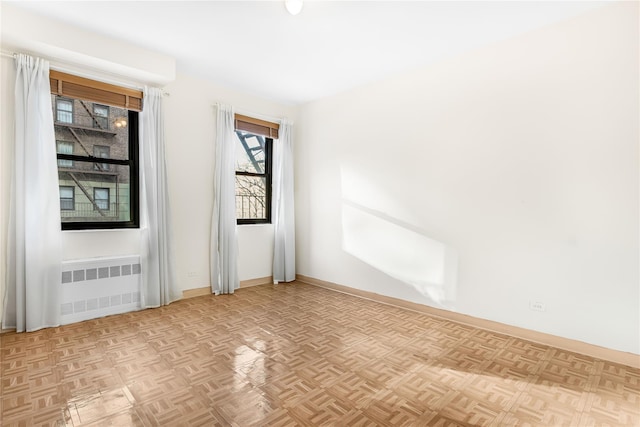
column 399, row 250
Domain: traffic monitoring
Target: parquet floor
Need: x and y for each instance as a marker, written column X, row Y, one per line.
column 301, row 355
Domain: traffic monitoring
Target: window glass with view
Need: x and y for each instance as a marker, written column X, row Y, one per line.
column 253, row 178
column 97, row 176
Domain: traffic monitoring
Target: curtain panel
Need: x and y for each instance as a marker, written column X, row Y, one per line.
column 34, row 260
column 224, row 240
column 284, row 256
column 159, row 284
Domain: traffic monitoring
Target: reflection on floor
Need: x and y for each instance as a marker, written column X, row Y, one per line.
column 301, row 355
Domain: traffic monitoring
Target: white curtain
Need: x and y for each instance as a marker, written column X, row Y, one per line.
column 224, row 243
column 159, row 284
column 34, row 258
column 284, row 256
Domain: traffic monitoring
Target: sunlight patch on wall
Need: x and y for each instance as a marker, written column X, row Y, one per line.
column 379, row 229
column 400, row 252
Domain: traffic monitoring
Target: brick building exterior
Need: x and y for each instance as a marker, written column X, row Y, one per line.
column 90, row 190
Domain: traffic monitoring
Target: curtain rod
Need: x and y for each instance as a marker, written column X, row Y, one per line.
column 71, row 69
column 13, row 55
column 253, row 114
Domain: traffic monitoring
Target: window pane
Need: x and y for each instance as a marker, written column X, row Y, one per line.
column 97, row 148
column 250, row 152
column 66, row 192
column 101, row 116
column 64, row 111
column 67, row 198
column 88, row 124
column 101, row 197
column 65, row 147
column 66, row 204
column 102, row 152
column 251, row 197
column 101, row 110
column 98, row 196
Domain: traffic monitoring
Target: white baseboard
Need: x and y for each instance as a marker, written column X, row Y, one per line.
column 197, row 292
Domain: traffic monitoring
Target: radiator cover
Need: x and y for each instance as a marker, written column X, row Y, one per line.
column 98, row 287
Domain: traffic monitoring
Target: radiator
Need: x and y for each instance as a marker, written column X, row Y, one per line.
column 99, row 287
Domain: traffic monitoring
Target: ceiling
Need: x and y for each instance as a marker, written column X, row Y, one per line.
column 259, row 48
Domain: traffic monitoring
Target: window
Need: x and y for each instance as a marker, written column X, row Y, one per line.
column 67, row 198
column 254, row 141
column 97, row 167
column 101, row 152
column 65, row 147
column 64, row 110
column 107, row 191
column 100, row 116
column 253, row 178
column 101, row 198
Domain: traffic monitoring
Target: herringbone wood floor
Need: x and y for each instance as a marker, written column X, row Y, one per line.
column 301, row 355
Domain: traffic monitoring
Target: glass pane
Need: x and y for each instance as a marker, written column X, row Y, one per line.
column 64, row 105
column 250, row 152
column 66, row 204
column 101, row 119
column 88, row 124
column 65, row 147
column 251, row 197
column 103, row 152
column 65, row 111
column 99, row 196
column 66, row 198
column 101, row 110
column 66, row 192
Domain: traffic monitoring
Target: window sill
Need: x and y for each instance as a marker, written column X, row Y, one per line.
column 101, row 230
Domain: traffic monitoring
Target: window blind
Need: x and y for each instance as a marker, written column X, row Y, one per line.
column 64, row 84
column 256, row 126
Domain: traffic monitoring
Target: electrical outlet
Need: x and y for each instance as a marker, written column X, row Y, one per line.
column 537, row 306
column 192, row 274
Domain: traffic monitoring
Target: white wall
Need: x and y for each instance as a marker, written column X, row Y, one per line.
column 82, row 52
column 521, row 157
column 190, row 133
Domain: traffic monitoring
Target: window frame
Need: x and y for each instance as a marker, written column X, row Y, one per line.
column 70, row 101
column 73, row 197
column 97, row 118
column 108, row 199
column 133, row 163
column 73, row 147
column 268, row 166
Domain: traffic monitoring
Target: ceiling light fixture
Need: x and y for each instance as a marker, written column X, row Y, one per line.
column 293, row 6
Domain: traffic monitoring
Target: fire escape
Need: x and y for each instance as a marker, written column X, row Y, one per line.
column 251, row 151
column 251, row 199
column 76, row 130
